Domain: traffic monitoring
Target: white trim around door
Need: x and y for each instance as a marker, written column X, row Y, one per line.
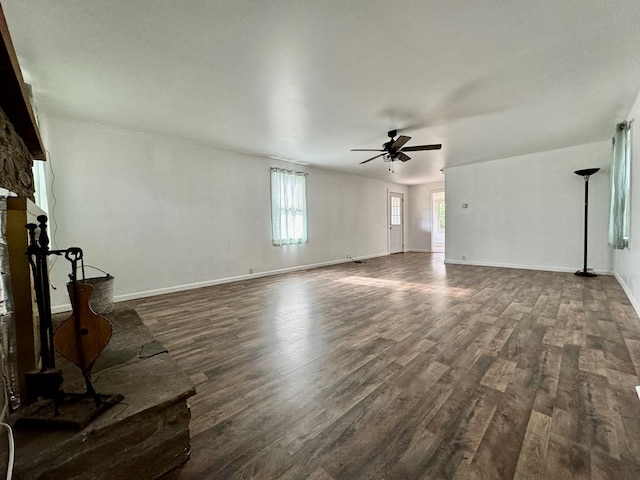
column 396, row 222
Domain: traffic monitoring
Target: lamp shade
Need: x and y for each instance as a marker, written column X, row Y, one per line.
column 586, row 172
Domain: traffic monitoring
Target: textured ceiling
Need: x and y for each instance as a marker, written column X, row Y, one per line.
column 309, row 80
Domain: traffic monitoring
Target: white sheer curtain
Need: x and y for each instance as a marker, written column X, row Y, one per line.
column 620, row 187
column 40, row 182
column 288, row 207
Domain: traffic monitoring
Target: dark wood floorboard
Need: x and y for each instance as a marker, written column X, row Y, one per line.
column 404, row 368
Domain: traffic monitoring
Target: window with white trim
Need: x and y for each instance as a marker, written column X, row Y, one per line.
column 288, row 207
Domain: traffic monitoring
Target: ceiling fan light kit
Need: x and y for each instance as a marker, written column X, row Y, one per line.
column 394, row 149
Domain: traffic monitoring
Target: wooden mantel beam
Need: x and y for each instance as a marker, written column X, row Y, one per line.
column 14, row 99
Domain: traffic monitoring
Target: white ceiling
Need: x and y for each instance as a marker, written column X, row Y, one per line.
column 309, row 80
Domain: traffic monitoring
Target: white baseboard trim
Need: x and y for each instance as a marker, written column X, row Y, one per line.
column 218, row 281
column 521, row 267
column 629, row 293
column 419, row 250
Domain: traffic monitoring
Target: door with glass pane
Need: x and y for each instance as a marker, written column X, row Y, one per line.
column 396, row 223
column 437, row 224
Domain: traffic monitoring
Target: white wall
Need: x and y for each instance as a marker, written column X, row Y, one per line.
column 626, row 263
column 163, row 214
column 528, row 211
column 419, row 214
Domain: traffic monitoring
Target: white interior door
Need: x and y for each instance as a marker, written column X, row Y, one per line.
column 437, row 222
column 396, row 222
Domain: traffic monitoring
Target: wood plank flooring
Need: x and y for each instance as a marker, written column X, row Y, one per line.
column 404, row 368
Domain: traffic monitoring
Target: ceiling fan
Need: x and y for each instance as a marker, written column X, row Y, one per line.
column 394, row 149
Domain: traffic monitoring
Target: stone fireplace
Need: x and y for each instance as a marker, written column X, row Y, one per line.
column 16, row 161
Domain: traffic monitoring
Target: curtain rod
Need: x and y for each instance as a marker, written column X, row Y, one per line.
column 290, row 172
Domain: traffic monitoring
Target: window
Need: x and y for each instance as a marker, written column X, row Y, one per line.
column 620, row 187
column 396, row 213
column 40, row 184
column 441, row 217
column 288, row 207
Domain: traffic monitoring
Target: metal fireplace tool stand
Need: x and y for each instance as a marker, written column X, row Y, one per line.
column 80, row 339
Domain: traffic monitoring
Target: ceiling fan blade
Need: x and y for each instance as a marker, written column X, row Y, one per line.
column 366, row 150
column 372, row 158
column 417, row 148
column 403, row 157
column 400, row 141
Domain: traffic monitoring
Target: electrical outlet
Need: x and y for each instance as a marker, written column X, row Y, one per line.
column 250, row 270
column 464, row 257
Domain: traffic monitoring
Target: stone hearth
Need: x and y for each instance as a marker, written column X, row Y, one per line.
column 144, row 436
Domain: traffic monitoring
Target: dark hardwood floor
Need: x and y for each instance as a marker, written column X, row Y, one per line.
column 404, row 368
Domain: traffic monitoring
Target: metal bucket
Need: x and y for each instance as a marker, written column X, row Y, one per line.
column 102, row 296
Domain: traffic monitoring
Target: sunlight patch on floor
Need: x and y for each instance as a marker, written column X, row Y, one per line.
column 403, row 285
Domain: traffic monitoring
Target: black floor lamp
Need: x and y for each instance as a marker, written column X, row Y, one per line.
column 586, row 173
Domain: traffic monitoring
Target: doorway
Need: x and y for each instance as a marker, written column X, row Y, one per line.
column 396, row 222
column 437, row 222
